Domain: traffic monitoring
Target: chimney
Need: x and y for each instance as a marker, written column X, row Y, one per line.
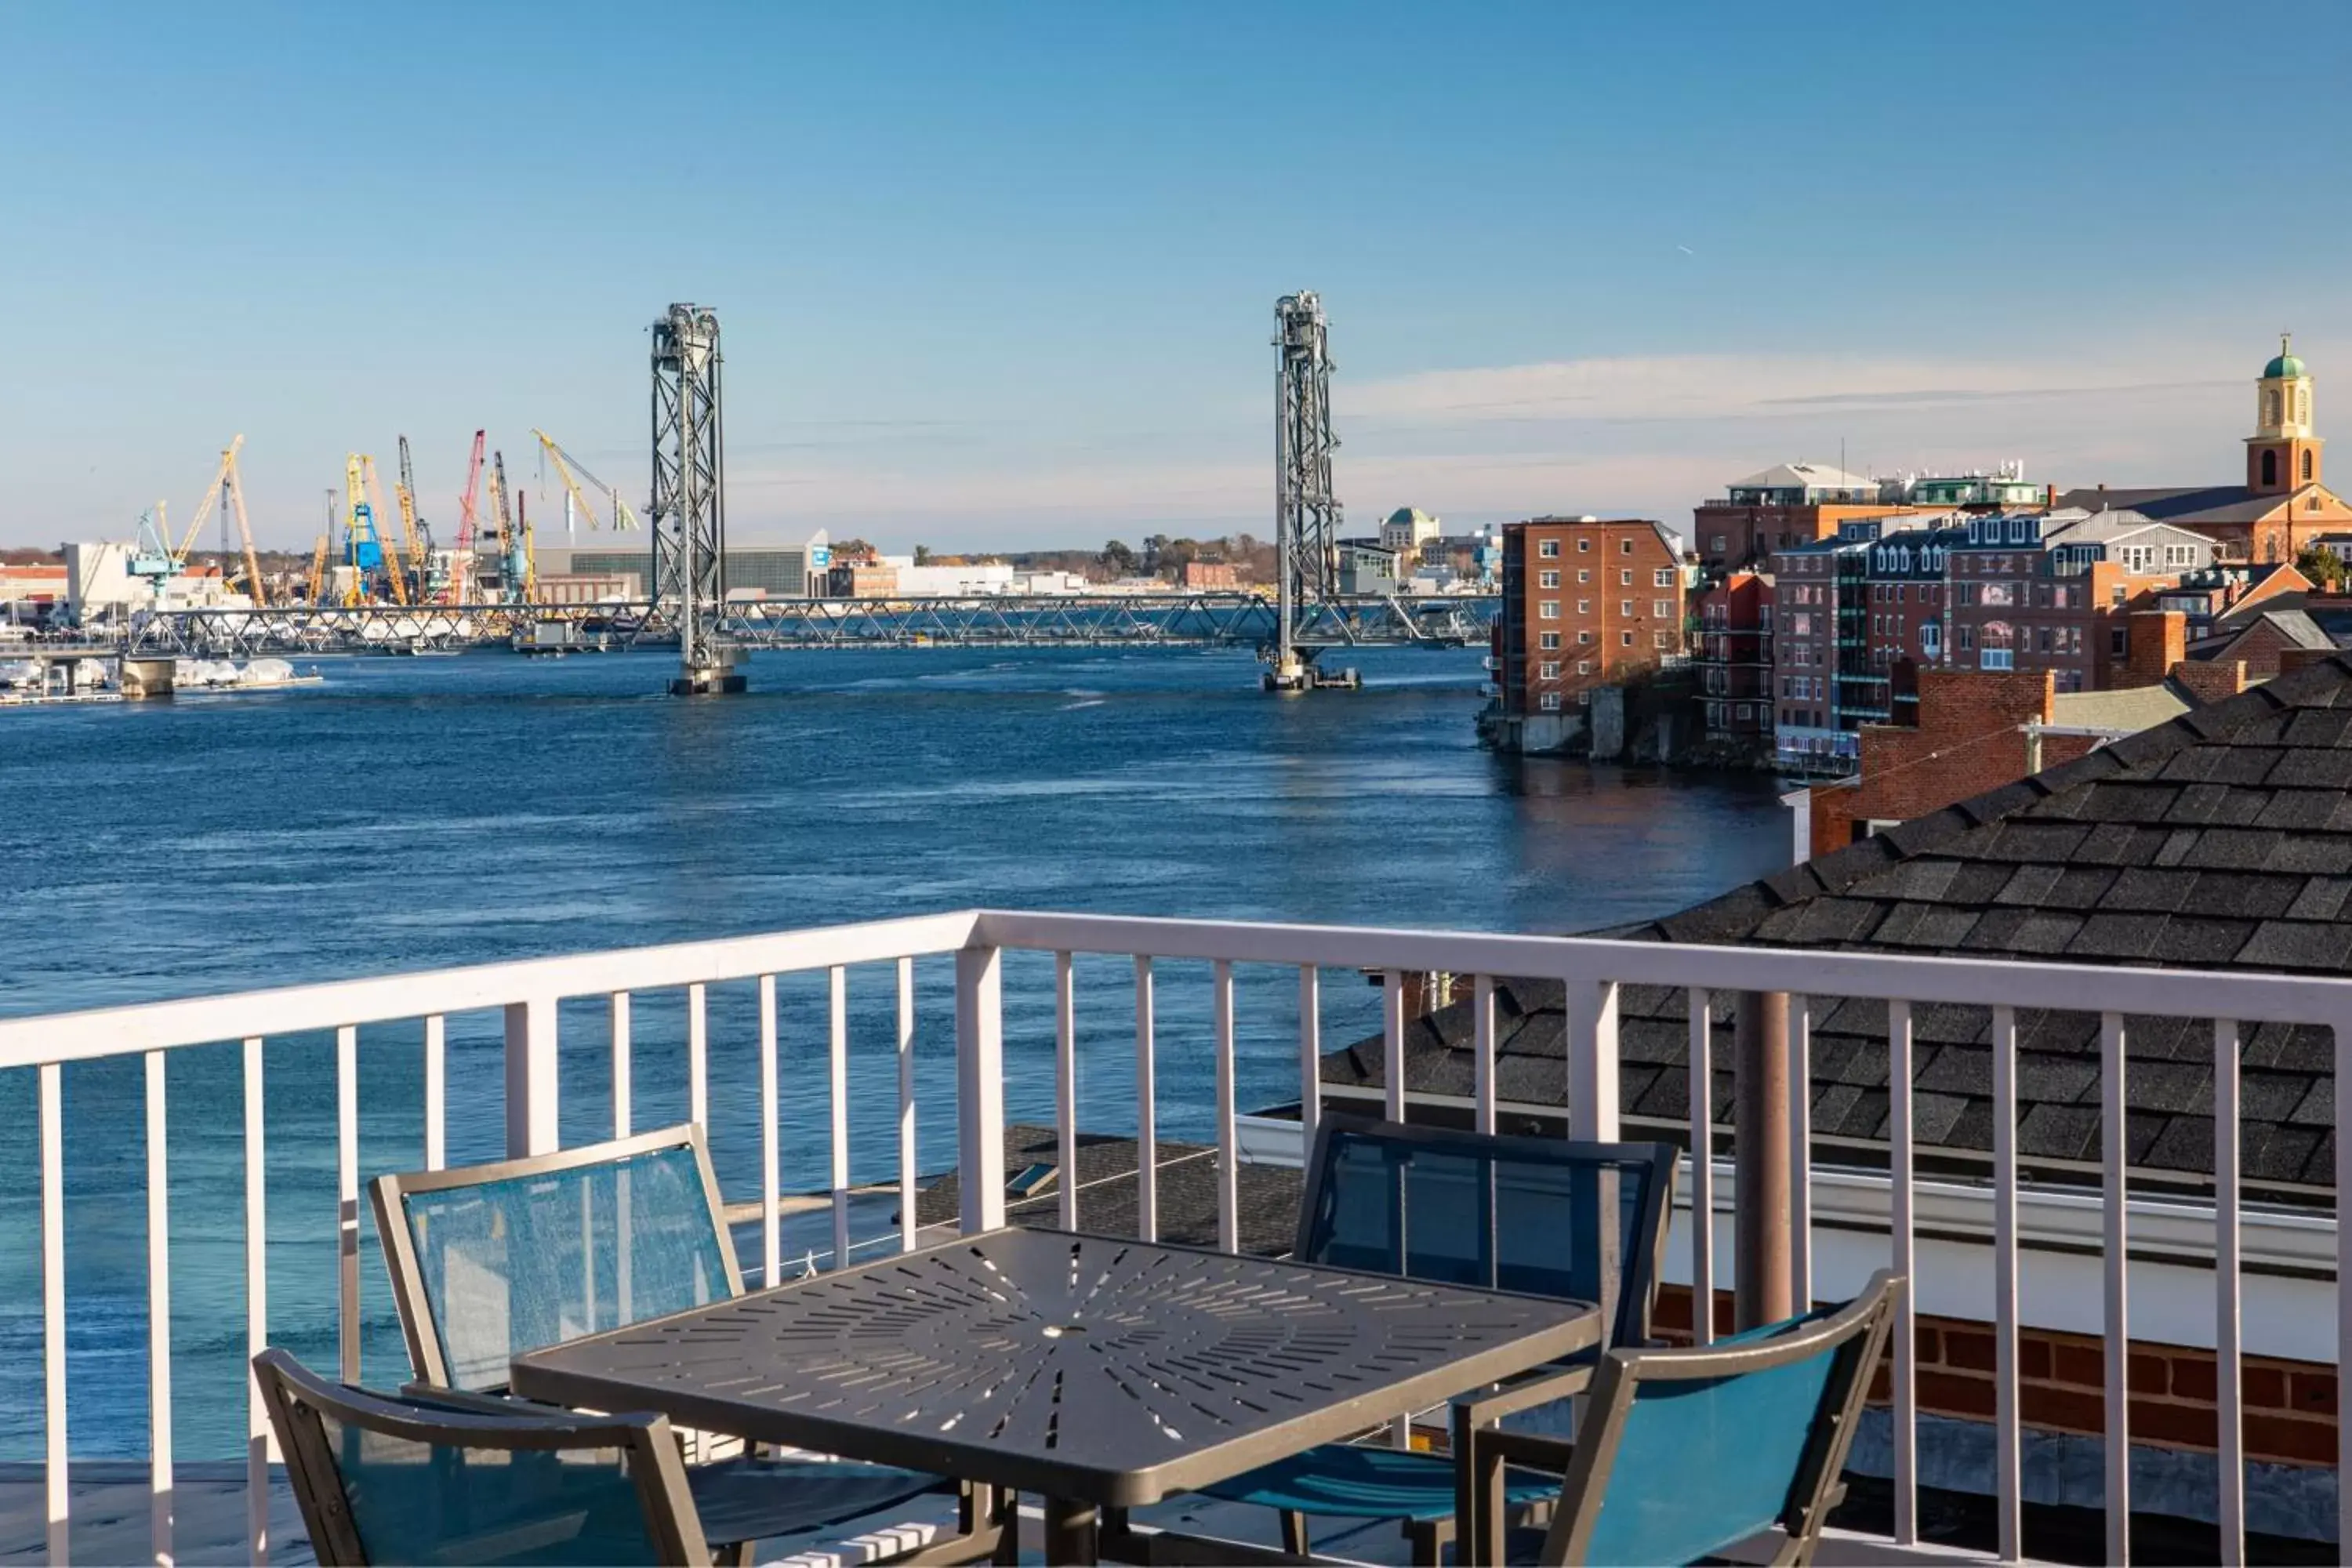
column 2156, row 640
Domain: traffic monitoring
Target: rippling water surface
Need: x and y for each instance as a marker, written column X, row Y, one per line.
column 409, row 814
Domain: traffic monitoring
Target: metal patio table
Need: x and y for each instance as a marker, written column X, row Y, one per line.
column 1093, row 1371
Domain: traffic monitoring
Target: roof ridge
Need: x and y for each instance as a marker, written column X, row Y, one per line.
column 1841, row 867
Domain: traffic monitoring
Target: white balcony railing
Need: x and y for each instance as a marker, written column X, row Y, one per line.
column 528, row 994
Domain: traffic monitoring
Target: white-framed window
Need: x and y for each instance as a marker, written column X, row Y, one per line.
column 1745, row 710
column 1549, row 701
column 1583, row 637
column 1625, row 639
column 1547, row 670
column 1548, row 580
column 1548, row 610
column 1625, row 578
column 1996, row 659
column 1583, row 606
column 1624, row 547
column 1584, row 667
column 1663, row 577
column 1584, row 574
column 1584, row 546
column 1625, row 608
column 1547, row 639
column 1548, row 549
column 1661, row 639
column 1662, row 608
column 1584, row 696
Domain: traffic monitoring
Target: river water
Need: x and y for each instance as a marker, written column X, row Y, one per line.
column 409, row 814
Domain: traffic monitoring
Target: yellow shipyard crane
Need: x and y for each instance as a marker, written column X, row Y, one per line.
column 318, row 569
column 419, row 554
column 204, row 507
column 396, row 570
column 572, row 470
column 235, row 483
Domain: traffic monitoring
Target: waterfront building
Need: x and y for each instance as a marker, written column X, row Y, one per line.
column 1367, row 566
column 753, row 571
column 868, row 578
column 1821, row 595
column 1731, row 654
column 1210, row 577
column 2284, row 503
column 1408, row 529
column 1783, row 506
column 1905, row 594
column 1994, row 490
column 2054, row 590
column 1586, row 604
column 2206, row 598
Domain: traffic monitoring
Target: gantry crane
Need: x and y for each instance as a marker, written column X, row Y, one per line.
column 572, row 470
column 418, row 536
column 461, row 573
column 395, row 568
column 363, row 549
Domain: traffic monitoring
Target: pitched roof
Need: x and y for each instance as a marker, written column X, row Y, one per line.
column 2125, row 711
column 2181, row 503
column 1804, row 475
column 2220, row 840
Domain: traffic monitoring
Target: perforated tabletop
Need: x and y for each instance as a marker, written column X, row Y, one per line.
column 1090, row 1368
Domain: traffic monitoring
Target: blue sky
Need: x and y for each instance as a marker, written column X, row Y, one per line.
column 1005, row 275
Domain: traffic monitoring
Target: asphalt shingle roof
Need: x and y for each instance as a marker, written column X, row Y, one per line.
column 2221, row 841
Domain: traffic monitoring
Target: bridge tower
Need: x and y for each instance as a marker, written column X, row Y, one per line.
column 1306, row 511
column 689, row 499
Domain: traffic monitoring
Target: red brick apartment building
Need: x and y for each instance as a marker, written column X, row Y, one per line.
column 1733, row 657
column 1781, row 508
column 1586, row 602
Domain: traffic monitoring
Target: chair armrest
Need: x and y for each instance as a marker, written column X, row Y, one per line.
column 473, row 1401
column 1530, row 1448
column 1524, row 1392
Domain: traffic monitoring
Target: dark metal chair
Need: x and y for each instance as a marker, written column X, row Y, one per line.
column 385, row 1481
column 490, row 1260
column 1544, row 1216
column 1688, row 1452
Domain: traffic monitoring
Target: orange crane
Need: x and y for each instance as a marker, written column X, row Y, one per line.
column 461, row 574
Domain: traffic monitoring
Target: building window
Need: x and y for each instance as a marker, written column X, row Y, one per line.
column 1624, row 547
column 1719, row 544
column 2117, row 644
column 1548, row 670
column 1625, row 639
column 1663, row 577
column 1584, row 696
column 1996, row 659
column 1548, row 580
column 1659, row 639
column 1548, row 549
column 1584, row 574
column 1625, row 608
column 1584, row 637
column 1662, row 608
column 2270, row 468
column 1583, row 606
column 2306, row 465
column 1584, row 667
column 1584, row 546
column 1745, row 711
column 1549, row 640
column 1548, row 610
column 1549, row 701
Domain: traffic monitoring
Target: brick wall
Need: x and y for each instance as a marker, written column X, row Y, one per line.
column 2290, row 1406
column 2158, row 641
column 1969, row 739
column 2211, row 680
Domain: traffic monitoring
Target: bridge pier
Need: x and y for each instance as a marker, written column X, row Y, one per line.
column 710, row 671
column 1295, row 671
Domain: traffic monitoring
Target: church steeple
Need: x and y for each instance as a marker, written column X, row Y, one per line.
column 2283, row 455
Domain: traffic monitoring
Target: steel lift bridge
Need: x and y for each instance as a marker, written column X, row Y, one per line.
column 1304, row 618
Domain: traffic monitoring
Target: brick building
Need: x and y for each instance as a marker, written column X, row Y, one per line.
column 1212, row 574
column 2051, row 590
column 860, row 579
column 1819, row 591
column 1586, row 602
column 2284, row 503
column 1731, row 652
column 1784, row 506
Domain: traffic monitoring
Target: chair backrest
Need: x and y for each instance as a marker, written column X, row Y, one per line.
column 490, row 1260
column 1684, row 1452
column 384, row 1480
column 1548, row 1216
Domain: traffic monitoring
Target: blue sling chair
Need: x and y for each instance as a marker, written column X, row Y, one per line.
column 1544, row 1216
column 490, row 1260
column 1686, row 1453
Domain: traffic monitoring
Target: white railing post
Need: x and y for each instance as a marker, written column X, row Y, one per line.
column 531, row 1078
column 53, row 1314
column 1229, row 1235
column 256, row 1311
column 1593, row 1059
column 1905, row 1260
column 436, row 1092
column 837, row 1096
column 908, row 1223
column 697, row 1054
column 1801, row 1152
column 2008, row 1441
column 1482, row 1050
column 159, row 1319
column 772, row 1237
column 1310, row 1053
column 2115, row 1146
column 2229, row 1403
column 1065, row 1088
column 1392, row 1044
column 980, row 1086
column 1702, row 1145
column 347, row 1198
column 1147, row 1106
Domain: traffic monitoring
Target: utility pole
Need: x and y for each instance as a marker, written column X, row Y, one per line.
column 688, row 504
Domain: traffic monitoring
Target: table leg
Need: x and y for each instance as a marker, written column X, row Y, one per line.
column 1073, row 1532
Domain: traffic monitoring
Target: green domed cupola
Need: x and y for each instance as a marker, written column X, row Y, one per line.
column 2286, row 365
